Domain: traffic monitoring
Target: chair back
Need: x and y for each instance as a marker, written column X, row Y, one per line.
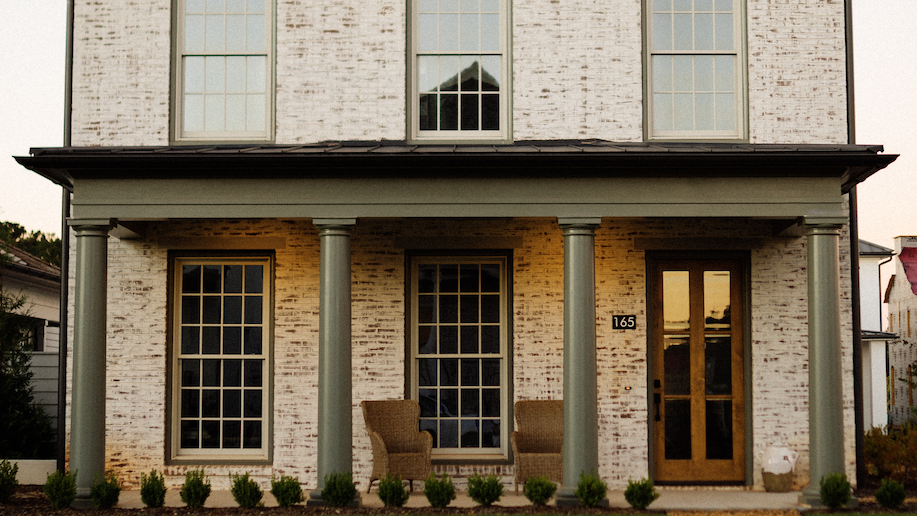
column 542, row 423
column 396, row 421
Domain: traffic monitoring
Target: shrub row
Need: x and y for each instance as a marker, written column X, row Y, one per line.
column 60, row 489
column 339, row 489
column 892, row 453
column 835, row 492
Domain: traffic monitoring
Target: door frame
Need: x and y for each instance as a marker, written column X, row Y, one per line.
column 744, row 259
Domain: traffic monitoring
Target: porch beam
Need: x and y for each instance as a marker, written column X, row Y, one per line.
column 87, row 417
column 580, row 444
column 826, row 406
column 335, row 432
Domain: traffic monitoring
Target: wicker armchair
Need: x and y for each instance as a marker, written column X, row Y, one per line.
column 398, row 447
column 538, row 444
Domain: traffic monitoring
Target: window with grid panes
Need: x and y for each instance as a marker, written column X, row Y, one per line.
column 910, row 386
column 459, row 353
column 696, row 69
column 224, row 70
column 891, row 383
column 459, row 69
column 221, row 358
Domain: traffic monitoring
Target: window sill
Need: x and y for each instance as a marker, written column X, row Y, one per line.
column 697, row 139
column 460, row 141
column 200, row 460
column 465, row 460
column 222, row 140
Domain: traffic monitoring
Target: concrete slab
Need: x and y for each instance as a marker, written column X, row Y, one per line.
column 34, row 471
column 670, row 499
column 717, row 500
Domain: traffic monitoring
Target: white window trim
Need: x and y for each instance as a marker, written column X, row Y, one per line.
column 196, row 455
column 506, row 424
column 740, row 33
column 504, row 135
column 177, row 88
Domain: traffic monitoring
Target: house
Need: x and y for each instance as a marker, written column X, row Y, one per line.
column 23, row 274
column 283, row 208
column 874, row 341
column 901, row 297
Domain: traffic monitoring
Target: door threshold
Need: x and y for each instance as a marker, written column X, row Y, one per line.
column 700, row 483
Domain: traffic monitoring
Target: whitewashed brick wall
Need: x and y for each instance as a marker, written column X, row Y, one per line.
column 121, row 56
column 902, row 352
column 136, row 417
column 780, row 353
column 577, row 71
column 340, row 70
column 796, row 71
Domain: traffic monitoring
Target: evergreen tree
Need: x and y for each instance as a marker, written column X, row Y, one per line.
column 25, row 428
column 36, row 243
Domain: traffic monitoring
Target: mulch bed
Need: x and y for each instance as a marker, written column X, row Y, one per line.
column 30, row 501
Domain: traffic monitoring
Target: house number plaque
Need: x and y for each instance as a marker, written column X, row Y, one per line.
column 623, row 322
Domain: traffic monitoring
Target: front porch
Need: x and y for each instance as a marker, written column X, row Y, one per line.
column 341, row 222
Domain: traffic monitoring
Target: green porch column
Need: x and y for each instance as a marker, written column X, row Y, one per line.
column 581, row 442
column 335, row 431
column 87, row 413
column 826, row 401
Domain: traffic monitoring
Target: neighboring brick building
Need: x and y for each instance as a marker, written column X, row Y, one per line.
column 299, row 206
column 902, row 320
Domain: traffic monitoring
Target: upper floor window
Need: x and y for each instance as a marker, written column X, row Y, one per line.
column 695, row 69
column 459, row 70
column 223, row 70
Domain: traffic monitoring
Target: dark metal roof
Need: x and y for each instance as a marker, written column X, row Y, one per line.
column 851, row 163
column 18, row 260
column 871, row 249
column 878, row 335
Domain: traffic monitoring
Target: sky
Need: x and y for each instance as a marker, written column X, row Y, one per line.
column 32, row 36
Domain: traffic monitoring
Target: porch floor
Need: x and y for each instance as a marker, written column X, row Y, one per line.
column 671, row 499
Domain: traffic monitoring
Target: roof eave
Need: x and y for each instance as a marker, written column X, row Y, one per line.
column 852, row 164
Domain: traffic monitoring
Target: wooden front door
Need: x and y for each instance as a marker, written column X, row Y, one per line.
column 697, row 396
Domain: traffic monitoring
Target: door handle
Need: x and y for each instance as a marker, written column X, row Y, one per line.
column 657, row 400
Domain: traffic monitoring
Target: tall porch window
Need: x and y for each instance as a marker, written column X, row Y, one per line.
column 459, row 353
column 220, row 359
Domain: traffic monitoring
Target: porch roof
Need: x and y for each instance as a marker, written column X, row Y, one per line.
column 851, row 164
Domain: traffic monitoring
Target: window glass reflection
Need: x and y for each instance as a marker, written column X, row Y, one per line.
column 677, row 429
column 675, row 301
column 677, row 366
column 717, row 315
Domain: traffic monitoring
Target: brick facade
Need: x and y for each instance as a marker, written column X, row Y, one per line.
column 137, row 354
column 577, row 71
column 902, row 352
